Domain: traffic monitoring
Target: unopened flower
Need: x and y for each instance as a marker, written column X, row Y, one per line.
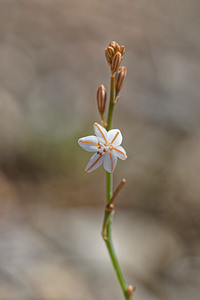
column 114, row 55
column 101, row 98
column 116, row 61
column 119, row 79
column 106, row 144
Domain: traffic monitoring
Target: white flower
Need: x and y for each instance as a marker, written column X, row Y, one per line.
column 106, row 144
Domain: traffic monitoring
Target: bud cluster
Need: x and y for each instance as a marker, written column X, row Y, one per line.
column 114, row 55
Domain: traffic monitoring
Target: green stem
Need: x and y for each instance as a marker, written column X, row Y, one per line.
column 112, row 104
column 109, row 181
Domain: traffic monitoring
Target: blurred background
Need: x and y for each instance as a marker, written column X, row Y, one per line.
column 51, row 64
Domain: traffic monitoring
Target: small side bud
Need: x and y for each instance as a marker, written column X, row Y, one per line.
column 117, row 48
column 117, row 58
column 130, row 290
column 122, row 50
column 101, row 98
column 119, row 79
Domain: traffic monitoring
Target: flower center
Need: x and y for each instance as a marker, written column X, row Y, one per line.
column 106, row 147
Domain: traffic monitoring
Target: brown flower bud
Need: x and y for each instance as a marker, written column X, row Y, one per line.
column 108, row 56
column 110, row 51
column 116, row 62
column 119, row 79
column 101, row 98
column 122, row 50
column 130, row 290
column 117, row 48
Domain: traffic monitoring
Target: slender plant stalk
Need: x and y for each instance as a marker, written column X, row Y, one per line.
column 109, row 192
column 111, row 104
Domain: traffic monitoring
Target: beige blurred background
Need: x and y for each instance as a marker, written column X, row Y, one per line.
column 51, row 63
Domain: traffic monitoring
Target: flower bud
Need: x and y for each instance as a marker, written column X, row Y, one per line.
column 109, row 55
column 116, row 62
column 122, row 50
column 119, row 79
column 101, row 98
column 110, row 51
column 117, row 48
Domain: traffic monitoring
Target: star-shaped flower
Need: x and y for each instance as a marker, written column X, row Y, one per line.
column 106, row 144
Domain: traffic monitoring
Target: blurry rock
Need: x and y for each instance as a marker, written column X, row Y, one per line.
column 182, row 279
column 145, row 246
column 61, row 253
column 186, row 170
column 186, row 270
column 58, row 280
column 34, row 266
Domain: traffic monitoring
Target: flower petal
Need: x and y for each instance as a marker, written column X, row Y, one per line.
column 110, row 162
column 95, row 161
column 89, row 143
column 114, row 137
column 100, row 132
column 119, row 152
